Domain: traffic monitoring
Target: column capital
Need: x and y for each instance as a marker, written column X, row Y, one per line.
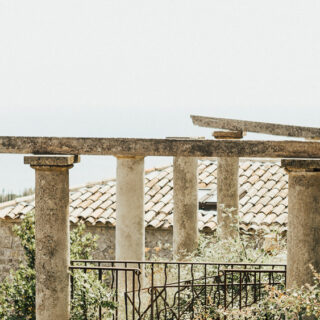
column 301, row 165
column 51, row 161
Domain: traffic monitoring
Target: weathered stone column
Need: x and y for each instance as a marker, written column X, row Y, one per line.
column 303, row 220
column 228, row 189
column 52, row 235
column 130, row 231
column 228, row 196
column 185, row 212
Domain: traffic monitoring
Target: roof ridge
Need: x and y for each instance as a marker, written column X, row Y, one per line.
column 147, row 171
column 9, row 203
column 30, row 198
column 91, row 184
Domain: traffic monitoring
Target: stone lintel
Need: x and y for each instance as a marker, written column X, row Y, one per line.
column 257, row 127
column 160, row 147
column 228, row 134
column 304, row 165
column 51, row 160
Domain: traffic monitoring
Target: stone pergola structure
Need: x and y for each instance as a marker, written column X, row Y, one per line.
column 304, row 192
column 53, row 158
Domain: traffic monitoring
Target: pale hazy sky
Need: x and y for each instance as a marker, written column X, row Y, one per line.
column 140, row 68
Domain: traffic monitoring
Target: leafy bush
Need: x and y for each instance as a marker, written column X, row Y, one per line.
column 89, row 295
column 17, row 292
column 241, row 247
column 297, row 303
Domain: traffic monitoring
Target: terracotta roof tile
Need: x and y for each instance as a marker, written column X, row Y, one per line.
column 257, row 208
column 258, row 219
column 273, row 169
column 86, row 204
column 246, row 165
column 254, row 200
column 275, row 201
column 163, row 182
column 86, row 213
column 165, row 190
column 85, row 195
column 242, row 179
column 158, row 206
column 97, row 213
column 268, row 209
column 168, row 208
column 149, row 215
column 266, row 176
column 263, row 191
column 264, row 200
column 282, row 219
column 279, row 209
column 269, row 218
column 247, row 207
column 4, row 212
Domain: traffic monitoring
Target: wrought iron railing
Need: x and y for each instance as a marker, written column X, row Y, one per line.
column 174, row 290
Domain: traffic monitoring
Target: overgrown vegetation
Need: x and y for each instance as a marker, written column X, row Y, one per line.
column 246, row 247
column 294, row 304
column 277, row 304
column 213, row 248
column 17, row 292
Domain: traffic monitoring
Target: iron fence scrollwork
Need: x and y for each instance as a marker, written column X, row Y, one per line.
column 177, row 290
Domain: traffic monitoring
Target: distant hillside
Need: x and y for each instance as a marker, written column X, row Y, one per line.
column 7, row 196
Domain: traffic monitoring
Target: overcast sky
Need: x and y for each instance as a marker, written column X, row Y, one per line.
column 140, row 68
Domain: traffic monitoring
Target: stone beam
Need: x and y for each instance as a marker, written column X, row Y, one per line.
column 160, row 147
column 257, row 127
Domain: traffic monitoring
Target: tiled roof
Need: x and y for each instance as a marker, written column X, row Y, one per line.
column 263, row 198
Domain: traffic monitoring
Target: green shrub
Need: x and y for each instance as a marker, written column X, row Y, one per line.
column 294, row 304
column 213, row 248
column 17, row 292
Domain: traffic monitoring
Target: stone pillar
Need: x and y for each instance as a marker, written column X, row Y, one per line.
column 303, row 220
column 228, row 196
column 185, row 212
column 130, row 230
column 228, row 189
column 130, row 233
column 52, row 235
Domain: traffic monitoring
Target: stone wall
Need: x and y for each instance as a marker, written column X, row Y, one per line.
column 158, row 242
column 11, row 252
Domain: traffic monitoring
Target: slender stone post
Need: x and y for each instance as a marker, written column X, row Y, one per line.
column 185, row 214
column 52, row 235
column 303, row 220
column 130, row 230
column 130, row 233
column 228, row 189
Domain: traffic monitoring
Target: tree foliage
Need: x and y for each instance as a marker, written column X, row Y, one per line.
column 17, row 291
